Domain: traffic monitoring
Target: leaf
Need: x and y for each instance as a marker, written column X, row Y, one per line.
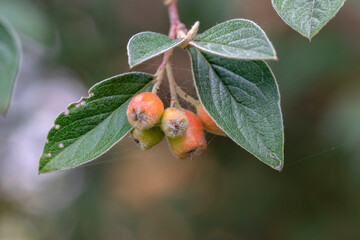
column 243, row 99
column 9, row 63
column 146, row 45
column 307, row 16
column 93, row 125
column 238, row 39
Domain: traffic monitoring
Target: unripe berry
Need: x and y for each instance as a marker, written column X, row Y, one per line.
column 208, row 122
column 192, row 142
column 174, row 122
column 147, row 138
column 145, row 110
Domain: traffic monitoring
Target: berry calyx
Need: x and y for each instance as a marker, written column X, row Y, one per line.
column 147, row 138
column 145, row 110
column 174, row 122
column 193, row 142
column 208, row 122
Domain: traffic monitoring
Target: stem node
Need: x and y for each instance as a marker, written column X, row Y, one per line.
column 191, row 34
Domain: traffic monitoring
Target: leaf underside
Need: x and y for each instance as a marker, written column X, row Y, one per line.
column 9, row 64
column 243, row 99
column 237, row 38
column 94, row 124
column 307, row 17
column 146, row 45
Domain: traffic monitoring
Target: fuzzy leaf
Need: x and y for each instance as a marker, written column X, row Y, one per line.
column 93, row 125
column 307, row 16
column 146, row 45
column 9, row 64
column 238, row 39
column 243, row 99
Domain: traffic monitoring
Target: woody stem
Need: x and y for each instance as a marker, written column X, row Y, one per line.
column 177, row 29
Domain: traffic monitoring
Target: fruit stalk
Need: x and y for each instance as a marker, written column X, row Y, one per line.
column 187, row 97
column 170, row 75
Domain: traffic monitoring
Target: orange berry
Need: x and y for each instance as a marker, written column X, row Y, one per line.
column 192, row 142
column 208, row 122
column 145, row 110
column 147, row 138
column 174, row 122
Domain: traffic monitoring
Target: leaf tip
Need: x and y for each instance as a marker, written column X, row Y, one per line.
column 280, row 165
column 132, row 63
column 279, row 168
column 40, row 171
column 4, row 110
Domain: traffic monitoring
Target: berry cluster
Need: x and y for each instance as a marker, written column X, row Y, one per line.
column 184, row 129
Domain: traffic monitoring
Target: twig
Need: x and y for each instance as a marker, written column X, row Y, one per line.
column 180, row 30
column 177, row 29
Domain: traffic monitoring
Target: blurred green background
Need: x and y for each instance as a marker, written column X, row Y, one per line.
column 225, row 194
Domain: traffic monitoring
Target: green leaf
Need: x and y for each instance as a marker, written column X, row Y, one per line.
column 93, row 125
column 307, row 16
column 9, row 63
column 146, row 45
column 237, row 39
column 243, row 99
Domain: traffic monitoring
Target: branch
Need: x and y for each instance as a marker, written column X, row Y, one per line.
column 177, row 29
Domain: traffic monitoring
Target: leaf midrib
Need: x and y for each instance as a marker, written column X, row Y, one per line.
column 311, row 17
column 233, row 99
column 228, row 46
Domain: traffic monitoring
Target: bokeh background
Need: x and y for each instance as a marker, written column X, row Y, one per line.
column 226, row 193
